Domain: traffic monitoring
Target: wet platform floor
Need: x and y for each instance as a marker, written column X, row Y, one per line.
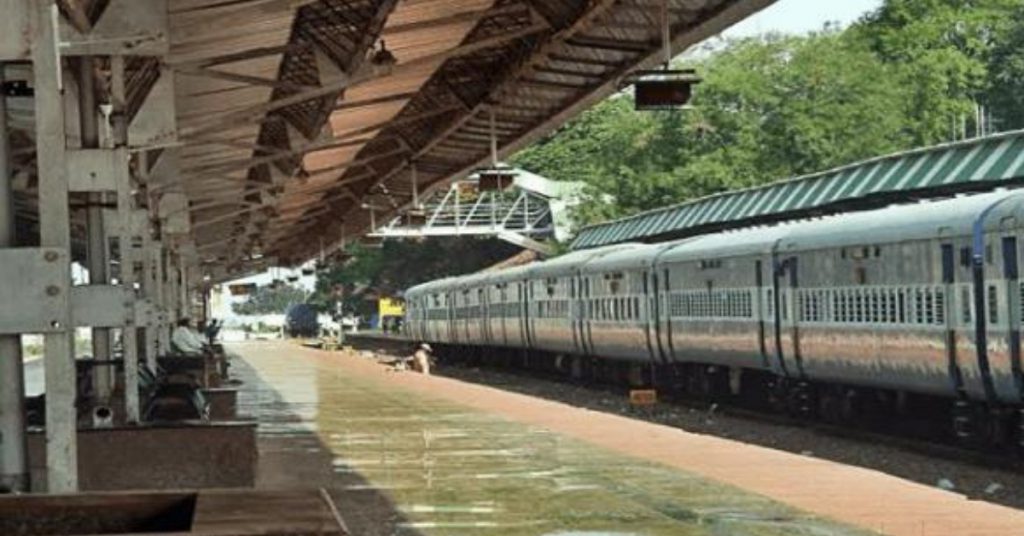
column 398, row 461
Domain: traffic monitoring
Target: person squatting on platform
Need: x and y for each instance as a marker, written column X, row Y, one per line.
column 421, row 359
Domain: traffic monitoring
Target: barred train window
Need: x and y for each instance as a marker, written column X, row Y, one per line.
column 1020, row 292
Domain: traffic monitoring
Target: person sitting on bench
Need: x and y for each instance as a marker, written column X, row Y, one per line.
column 185, row 340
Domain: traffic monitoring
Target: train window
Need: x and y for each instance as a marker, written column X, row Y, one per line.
column 860, row 275
column 965, row 257
column 965, row 304
column 636, row 308
column 993, row 305
column 857, row 306
column 842, row 253
column 1020, row 292
column 878, row 251
column 876, row 306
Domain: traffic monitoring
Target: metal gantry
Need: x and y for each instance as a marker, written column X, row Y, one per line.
column 525, row 212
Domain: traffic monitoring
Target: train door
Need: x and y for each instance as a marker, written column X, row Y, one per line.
column 524, row 314
column 588, row 321
column 787, row 331
column 530, row 322
column 503, row 313
column 762, row 331
column 652, row 327
column 947, row 257
column 1009, row 379
column 450, row 306
column 485, row 316
column 574, row 313
column 663, row 316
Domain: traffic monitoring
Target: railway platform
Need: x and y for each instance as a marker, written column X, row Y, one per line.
column 402, row 453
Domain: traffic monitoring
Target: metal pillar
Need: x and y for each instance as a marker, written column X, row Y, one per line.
column 13, row 464
column 55, row 235
column 97, row 237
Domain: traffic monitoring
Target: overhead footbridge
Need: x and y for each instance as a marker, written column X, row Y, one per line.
column 170, row 144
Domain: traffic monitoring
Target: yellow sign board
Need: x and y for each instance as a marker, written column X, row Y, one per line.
column 643, row 397
column 390, row 307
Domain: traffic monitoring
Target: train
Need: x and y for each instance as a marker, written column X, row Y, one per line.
column 912, row 304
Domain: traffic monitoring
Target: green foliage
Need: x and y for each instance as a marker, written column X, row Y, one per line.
column 1006, row 76
column 769, row 108
column 773, row 107
column 269, row 300
column 944, row 50
column 397, row 266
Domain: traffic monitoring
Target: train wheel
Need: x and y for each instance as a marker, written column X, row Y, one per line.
column 963, row 420
column 801, row 400
column 832, row 405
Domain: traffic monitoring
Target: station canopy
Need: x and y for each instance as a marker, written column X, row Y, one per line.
column 943, row 170
column 295, row 116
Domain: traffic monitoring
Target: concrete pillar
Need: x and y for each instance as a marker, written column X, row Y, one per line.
column 55, row 233
column 97, row 261
column 13, row 464
column 151, row 334
column 160, row 286
column 126, row 217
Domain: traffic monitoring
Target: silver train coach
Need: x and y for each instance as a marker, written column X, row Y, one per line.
column 922, row 298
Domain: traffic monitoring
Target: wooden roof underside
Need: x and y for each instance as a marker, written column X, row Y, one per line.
column 287, row 130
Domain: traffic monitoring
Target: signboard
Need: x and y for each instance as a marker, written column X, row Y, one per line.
column 643, row 397
column 242, row 290
column 390, row 307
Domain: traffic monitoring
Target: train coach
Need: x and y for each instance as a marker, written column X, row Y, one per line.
column 883, row 309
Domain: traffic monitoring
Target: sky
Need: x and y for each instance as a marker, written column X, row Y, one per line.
column 802, row 16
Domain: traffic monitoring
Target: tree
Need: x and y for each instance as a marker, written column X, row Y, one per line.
column 945, row 51
column 1005, row 94
column 398, row 265
column 270, row 300
column 769, row 108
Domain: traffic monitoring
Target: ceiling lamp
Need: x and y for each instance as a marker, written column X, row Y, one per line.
column 383, row 60
column 663, row 89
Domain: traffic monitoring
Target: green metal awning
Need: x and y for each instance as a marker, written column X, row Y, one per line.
column 941, row 170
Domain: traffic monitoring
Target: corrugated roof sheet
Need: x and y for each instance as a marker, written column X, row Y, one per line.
column 970, row 165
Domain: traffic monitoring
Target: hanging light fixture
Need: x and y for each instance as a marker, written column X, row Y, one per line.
column 665, row 88
column 383, row 60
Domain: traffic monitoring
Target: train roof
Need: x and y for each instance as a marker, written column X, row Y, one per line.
column 898, row 223
column 429, row 286
column 640, row 257
column 560, row 265
column 752, row 241
column 509, row 274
